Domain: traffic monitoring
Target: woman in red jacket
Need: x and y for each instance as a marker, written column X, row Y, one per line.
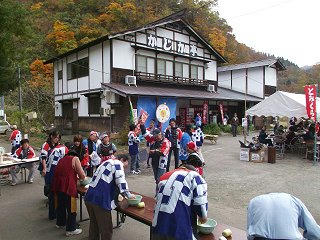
column 64, row 186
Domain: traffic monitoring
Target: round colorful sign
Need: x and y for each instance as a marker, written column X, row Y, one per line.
column 163, row 113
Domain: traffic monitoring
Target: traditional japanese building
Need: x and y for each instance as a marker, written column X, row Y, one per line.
column 165, row 61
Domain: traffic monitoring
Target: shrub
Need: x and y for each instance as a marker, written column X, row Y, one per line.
column 212, row 129
column 225, row 128
column 122, row 138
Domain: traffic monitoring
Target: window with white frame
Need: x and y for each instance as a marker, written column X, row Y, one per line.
column 142, row 64
column 161, row 66
column 194, row 72
column 169, row 68
column 178, row 70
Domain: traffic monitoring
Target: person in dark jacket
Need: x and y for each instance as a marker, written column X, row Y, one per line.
column 234, row 125
column 81, row 150
column 263, row 137
column 174, row 135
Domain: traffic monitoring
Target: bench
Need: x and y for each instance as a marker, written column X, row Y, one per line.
column 145, row 216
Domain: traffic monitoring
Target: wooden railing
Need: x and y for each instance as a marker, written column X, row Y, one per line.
column 160, row 78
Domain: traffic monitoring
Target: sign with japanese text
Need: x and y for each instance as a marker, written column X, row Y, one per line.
column 170, row 45
column 311, row 99
column 221, row 111
column 205, row 112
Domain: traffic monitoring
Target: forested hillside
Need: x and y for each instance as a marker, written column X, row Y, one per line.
column 33, row 30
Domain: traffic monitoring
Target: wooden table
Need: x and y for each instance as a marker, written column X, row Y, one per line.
column 145, row 216
column 17, row 162
column 212, row 138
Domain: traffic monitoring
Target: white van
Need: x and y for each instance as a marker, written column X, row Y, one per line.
column 4, row 127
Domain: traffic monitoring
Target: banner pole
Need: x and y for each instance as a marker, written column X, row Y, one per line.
column 315, row 159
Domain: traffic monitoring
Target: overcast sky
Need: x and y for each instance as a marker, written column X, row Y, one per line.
column 287, row 28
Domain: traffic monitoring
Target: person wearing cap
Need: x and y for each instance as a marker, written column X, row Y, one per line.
column 133, row 142
column 159, row 151
column 108, row 181
column 92, row 144
column 64, row 187
column 174, row 134
column 279, row 216
column 106, row 149
column 186, row 138
column 180, row 200
column 15, row 138
column 25, row 151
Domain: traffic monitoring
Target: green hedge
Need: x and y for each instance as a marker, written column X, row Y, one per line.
column 212, row 129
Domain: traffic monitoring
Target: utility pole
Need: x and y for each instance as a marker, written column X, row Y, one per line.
column 20, row 95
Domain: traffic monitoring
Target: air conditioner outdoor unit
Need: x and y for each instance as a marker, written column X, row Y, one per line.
column 110, row 97
column 105, row 112
column 211, row 88
column 130, row 80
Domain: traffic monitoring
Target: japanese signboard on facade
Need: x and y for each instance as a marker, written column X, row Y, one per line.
column 221, row 111
column 205, row 112
column 170, row 45
column 311, row 98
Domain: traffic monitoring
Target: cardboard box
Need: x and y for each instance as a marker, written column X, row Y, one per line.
column 245, row 154
column 258, row 156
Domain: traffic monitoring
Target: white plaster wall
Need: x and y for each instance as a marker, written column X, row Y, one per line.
column 164, row 33
column 271, row 76
column 64, row 84
column 106, row 62
column 165, row 56
column 55, row 76
column 224, row 79
column 196, row 62
column 72, row 85
column 211, row 71
column 83, row 106
column 181, row 37
column 72, row 58
column 255, row 81
column 57, row 109
column 181, row 59
column 95, row 65
column 123, row 55
column 239, row 80
column 83, row 53
column 200, row 52
column 83, row 83
column 141, row 38
column 146, row 53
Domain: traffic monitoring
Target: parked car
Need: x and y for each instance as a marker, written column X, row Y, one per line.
column 4, row 127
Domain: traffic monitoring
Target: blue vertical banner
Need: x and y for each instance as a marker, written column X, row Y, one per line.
column 172, row 105
column 148, row 104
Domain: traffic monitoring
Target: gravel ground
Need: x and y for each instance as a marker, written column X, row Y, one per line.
column 231, row 185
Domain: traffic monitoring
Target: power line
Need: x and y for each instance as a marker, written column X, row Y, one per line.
column 261, row 9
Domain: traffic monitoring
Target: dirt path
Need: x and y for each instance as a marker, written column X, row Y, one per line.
column 231, row 185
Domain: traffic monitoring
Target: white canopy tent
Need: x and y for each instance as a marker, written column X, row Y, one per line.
column 283, row 104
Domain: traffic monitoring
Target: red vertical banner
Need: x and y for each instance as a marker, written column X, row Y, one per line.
column 221, row 111
column 311, row 99
column 205, row 110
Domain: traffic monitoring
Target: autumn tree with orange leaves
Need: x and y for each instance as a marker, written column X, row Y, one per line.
column 61, row 39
